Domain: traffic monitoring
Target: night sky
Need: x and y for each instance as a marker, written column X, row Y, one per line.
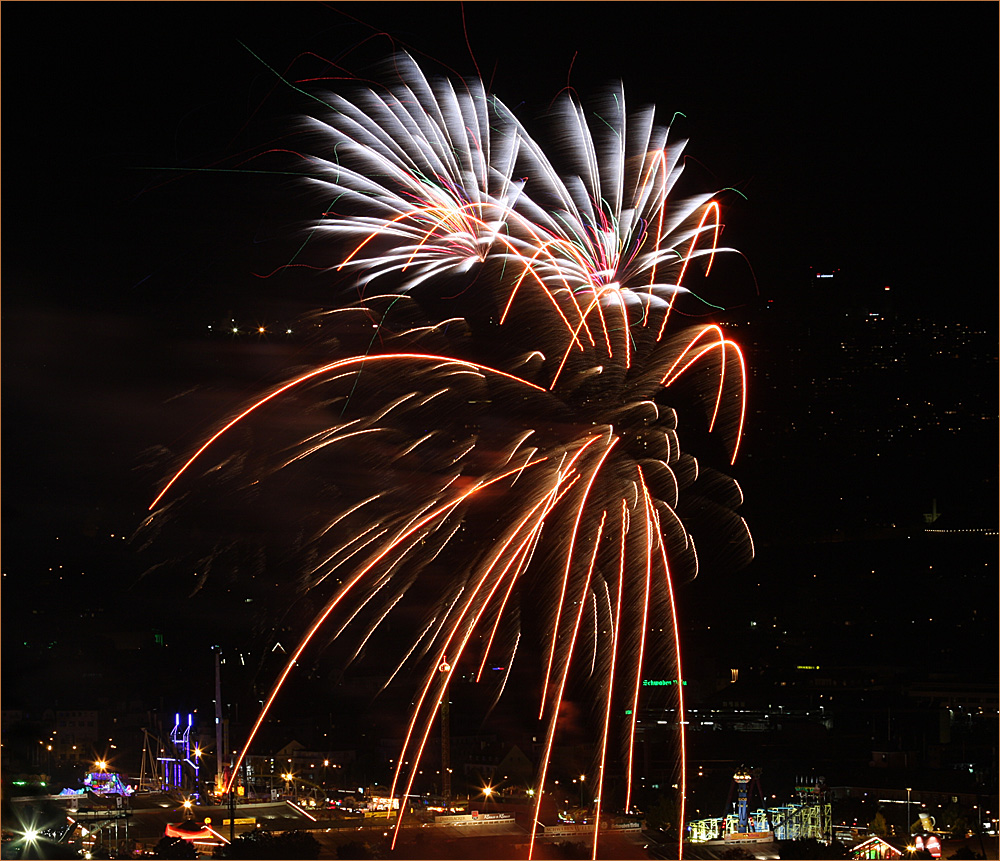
column 863, row 136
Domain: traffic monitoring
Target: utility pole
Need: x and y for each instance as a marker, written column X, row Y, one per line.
column 444, row 667
column 232, row 812
column 219, row 749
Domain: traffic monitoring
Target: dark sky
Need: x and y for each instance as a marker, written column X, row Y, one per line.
column 863, row 135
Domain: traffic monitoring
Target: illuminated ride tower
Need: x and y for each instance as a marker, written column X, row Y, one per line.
column 176, row 777
column 742, row 780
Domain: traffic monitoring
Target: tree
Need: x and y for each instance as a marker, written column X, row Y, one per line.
column 174, row 847
column 253, row 844
column 355, row 850
column 853, row 809
column 967, row 854
column 662, row 813
column 877, row 826
column 296, row 844
column 261, row 844
column 736, row 853
column 811, row 848
column 570, row 850
column 956, row 819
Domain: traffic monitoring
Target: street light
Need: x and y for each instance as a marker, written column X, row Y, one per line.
column 487, row 792
column 908, row 810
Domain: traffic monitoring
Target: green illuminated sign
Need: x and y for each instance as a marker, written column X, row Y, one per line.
column 660, row 683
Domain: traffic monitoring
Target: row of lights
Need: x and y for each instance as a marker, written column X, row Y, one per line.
column 261, row 330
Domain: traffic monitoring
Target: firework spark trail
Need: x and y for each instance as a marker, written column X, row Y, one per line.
column 463, row 613
column 313, row 374
column 550, row 734
column 545, row 504
column 413, row 648
column 616, row 629
column 304, row 642
column 510, row 666
column 361, row 546
column 445, row 616
column 722, row 344
column 379, row 532
column 641, row 653
column 601, row 234
column 566, row 572
column 557, row 495
column 470, row 628
column 439, row 166
column 331, row 440
column 372, row 628
column 586, row 261
column 681, row 721
column 553, row 498
column 592, row 239
column 384, row 580
column 593, row 658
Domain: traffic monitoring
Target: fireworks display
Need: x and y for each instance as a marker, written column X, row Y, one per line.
column 494, row 456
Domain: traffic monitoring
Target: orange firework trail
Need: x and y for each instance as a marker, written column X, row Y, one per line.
column 550, row 735
column 493, row 442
